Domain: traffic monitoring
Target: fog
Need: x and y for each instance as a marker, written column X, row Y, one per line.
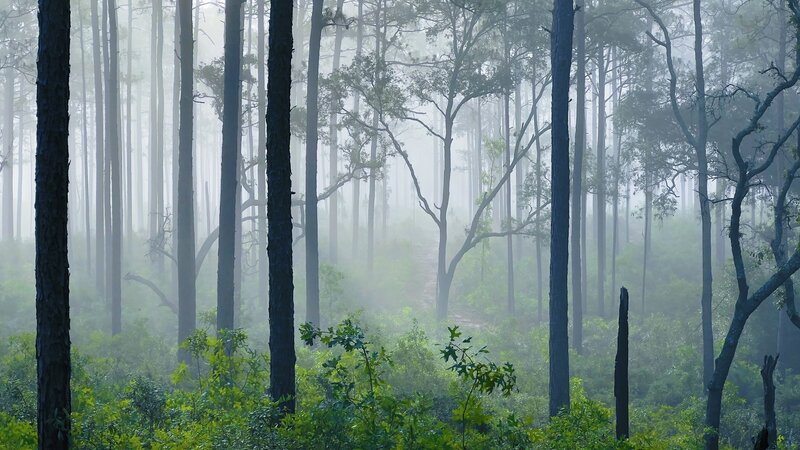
column 413, row 224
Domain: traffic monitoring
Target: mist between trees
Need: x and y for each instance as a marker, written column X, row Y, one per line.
column 399, row 224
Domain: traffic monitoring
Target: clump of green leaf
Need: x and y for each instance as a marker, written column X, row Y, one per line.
column 477, row 372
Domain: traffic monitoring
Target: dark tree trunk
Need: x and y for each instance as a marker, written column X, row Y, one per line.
column 279, row 207
column 770, row 425
column 115, row 164
column 621, row 369
column 229, row 183
column 52, row 265
column 560, row 60
column 312, row 137
column 577, row 178
column 185, row 206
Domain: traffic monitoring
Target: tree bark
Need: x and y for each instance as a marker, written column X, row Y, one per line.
column 263, row 264
column 99, row 161
column 85, row 148
column 312, row 137
column 115, row 163
column 600, row 203
column 621, row 389
column 333, row 225
column 357, row 112
column 229, row 183
column 187, row 309
column 156, row 151
column 8, row 159
column 577, row 177
column 373, row 152
column 560, row 60
column 52, row 265
column 279, row 209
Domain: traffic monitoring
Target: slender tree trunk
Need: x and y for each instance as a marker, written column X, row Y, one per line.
column 373, row 153
column 538, row 180
column 617, row 145
column 702, row 192
column 85, row 147
column 577, row 178
column 509, row 219
column 312, row 137
column 334, row 150
column 621, row 369
column 8, row 159
column 279, row 197
column 357, row 112
column 263, row 268
column 112, row 115
column 600, row 179
column 229, row 182
column 648, row 236
column 20, row 145
column 99, row 161
column 173, row 189
column 185, row 206
column 156, row 153
column 129, row 127
column 719, row 248
column 52, row 266
column 560, row 60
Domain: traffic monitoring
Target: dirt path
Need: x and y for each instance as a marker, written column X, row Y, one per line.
column 458, row 313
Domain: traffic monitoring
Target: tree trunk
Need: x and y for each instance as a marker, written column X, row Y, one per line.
column 85, row 149
column 99, row 162
column 617, row 145
column 279, row 207
column 702, row 192
column 115, row 163
column 334, row 150
column 600, row 177
column 312, row 137
column 770, row 425
column 52, row 266
column 577, row 178
column 263, row 268
column 560, row 60
column 229, row 183
column 373, row 153
column 129, row 128
column 156, row 152
column 621, row 389
column 648, row 224
column 185, row 206
column 538, row 180
column 8, row 159
column 509, row 219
